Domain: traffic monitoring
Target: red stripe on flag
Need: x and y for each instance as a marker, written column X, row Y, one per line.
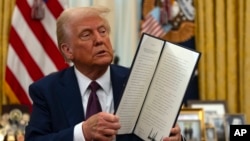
column 51, row 4
column 16, row 87
column 49, row 46
column 152, row 26
column 148, row 21
column 29, row 63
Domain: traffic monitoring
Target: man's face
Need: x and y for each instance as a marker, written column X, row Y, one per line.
column 89, row 42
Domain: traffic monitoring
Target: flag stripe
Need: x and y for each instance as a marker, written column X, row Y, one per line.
column 152, row 27
column 23, row 54
column 41, row 34
column 15, row 86
column 49, row 24
column 18, row 70
column 51, row 4
column 147, row 22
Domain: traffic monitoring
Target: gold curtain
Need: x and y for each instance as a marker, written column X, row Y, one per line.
column 6, row 9
column 222, row 35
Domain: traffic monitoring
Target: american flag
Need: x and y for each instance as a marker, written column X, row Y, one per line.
column 151, row 24
column 32, row 50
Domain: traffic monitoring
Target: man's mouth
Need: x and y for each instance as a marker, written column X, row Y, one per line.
column 101, row 52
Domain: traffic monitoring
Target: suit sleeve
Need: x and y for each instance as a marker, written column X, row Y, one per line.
column 41, row 126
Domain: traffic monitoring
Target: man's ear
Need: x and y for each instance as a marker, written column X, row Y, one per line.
column 67, row 51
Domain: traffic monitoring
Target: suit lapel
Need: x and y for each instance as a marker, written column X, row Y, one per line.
column 71, row 97
column 118, row 78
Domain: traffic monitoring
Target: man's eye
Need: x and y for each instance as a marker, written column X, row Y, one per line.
column 85, row 36
column 103, row 31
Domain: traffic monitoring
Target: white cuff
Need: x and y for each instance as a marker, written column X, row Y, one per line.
column 78, row 134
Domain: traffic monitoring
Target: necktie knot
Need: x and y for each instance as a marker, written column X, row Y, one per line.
column 94, row 86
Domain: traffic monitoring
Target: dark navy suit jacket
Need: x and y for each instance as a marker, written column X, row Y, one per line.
column 57, row 105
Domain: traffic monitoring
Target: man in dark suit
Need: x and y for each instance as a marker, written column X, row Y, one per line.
column 60, row 99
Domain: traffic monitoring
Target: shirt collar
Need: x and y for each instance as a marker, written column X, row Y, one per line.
column 104, row 81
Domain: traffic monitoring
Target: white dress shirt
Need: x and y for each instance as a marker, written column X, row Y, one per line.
column 105, row 96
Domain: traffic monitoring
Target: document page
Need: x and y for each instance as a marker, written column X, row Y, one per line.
column 166, row 92
column 143, row 68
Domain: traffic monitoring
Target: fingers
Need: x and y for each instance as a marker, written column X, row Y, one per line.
column 110, row 117
column 101, row 126
column 107, row 132
column 103, row 138
column 175, row 134
column 108, row 121
column 173, row 138
column 176, row 130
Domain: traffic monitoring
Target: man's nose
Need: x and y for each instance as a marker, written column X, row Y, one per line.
column 98, row 38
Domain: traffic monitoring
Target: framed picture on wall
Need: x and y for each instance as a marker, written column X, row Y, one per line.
column 191, row 122
column 233, row 119
column 211, row 109
column 214, row 112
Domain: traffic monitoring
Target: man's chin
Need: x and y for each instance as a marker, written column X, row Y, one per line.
column 104, row 62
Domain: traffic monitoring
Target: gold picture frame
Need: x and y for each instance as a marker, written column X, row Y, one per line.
column 191, row 122
column 219, row 107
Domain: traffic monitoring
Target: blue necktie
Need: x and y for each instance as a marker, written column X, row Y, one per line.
column 94, row 105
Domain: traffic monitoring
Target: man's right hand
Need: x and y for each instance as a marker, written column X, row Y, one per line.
column 101, row 126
